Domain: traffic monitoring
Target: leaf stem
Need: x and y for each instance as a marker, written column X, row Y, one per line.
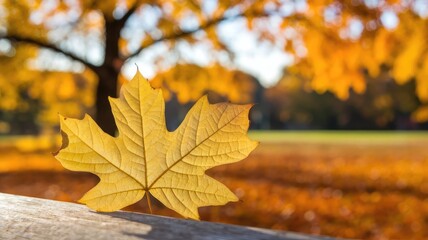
column 149, row 203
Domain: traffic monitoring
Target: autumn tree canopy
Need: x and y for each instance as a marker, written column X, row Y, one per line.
column 333, row 43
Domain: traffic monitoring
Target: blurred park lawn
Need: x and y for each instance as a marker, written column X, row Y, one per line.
column 369, row 185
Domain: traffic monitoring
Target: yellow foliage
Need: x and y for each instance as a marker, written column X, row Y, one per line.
column 37, row 143
column 333, row 61
column 334, row 66
column 13, row 77
column 67, row 88
column 67, row 93
column 422, row 80
column 406, row 63
column 421, row 114
column 8, row 96
column 106, row 7
column 190, row 82
column 50, row 115
column 64, row 92
column 358, row 82
column 147, row 158
column 382, row 46
column 19, row 21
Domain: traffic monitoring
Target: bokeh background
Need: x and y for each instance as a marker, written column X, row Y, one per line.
column 340, row 91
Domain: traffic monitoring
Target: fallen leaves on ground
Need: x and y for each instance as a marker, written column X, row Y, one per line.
column 362, row 191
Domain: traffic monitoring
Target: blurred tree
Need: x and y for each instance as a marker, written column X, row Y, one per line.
column 350, row 38
column 32, row 98
column 190, row 81
column 384, row 105
column 51, row 25
column 331, row 41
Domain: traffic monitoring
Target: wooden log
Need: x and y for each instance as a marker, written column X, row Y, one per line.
column 33, row 218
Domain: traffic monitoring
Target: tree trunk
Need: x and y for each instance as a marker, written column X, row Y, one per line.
column 107, row 87
column 108, row 74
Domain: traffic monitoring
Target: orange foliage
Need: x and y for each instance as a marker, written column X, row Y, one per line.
column 190, row 81
column 335, row 60
column 333, row 44
column 350, row 189
column 65, row 92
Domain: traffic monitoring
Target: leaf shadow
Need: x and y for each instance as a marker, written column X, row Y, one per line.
column 172, row 228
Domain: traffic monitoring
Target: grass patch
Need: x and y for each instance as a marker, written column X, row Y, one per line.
column 341, row 137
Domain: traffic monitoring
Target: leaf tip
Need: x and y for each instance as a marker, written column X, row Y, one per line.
column 256, row 143
column 111, row 99
column 250, row 105
column 205, row 99
column 138, row 74
column 61, row 117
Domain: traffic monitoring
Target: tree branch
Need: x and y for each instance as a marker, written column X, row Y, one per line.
column 128, row 14
column 182, row 33
column 50, row 47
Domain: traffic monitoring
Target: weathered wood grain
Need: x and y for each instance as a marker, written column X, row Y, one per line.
column 33, row 218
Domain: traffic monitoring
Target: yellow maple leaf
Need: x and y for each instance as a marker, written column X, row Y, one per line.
column 146, row 158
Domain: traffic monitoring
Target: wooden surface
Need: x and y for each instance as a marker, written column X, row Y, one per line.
column 33, row 218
